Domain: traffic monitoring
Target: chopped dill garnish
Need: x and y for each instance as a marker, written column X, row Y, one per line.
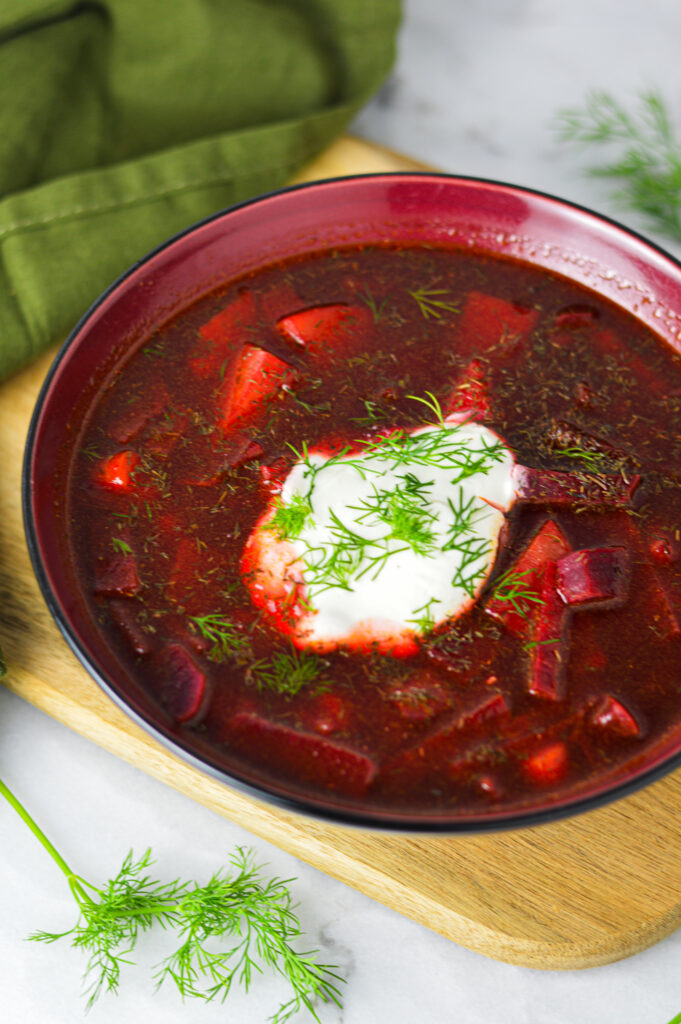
column 425, row 622
column 118, row 544
column 431, row 302
column 468, row 574
column 530, row 645
column 431, row 402
column 514, row 587
column 405, row 510
column 290, row 518
column 465, row 514
column 288, row 672
column 368, row 299
column 225, row 637
column 593, row 458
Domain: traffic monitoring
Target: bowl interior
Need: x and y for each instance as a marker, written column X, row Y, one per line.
column 431, row 210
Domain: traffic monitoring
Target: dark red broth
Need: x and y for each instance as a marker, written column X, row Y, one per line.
column 540, row 688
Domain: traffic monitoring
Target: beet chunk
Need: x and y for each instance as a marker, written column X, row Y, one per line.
column 597, row 577
column 301, row 755
column 123, row 613
column 549, row 655
column 611, row 714
column 522, row 582
column 586, row 490
column 182, row 683
column 117, row 576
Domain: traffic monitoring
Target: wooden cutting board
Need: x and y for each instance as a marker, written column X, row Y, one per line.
column 578, row 893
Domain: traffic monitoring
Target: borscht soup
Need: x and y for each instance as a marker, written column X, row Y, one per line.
column 392, row 528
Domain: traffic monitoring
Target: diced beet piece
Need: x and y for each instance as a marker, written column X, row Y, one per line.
column 303, row 756
column 547, row 545
column 487, row 322
column 115, row 473
column 609, row 713
column 447, row 739
column 272, row 475
column 470, row 394
column 594, row 576
column 251, row 450
column 547, row 765
column 224, row 335
column 548, row 653
column 124, row 615
column 663, row 550
column 255, row 377
column 584, row 490
column 183, row 684
column 117, row 576
column 326, row 329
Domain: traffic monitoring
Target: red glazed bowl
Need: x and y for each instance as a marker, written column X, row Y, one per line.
column 428, row 209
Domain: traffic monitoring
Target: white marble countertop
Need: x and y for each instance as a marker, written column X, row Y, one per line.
column 474, row 91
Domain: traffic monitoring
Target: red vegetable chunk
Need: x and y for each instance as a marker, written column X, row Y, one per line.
column 595, row 576
column 450, row 738
column 223, row 335
column 255, row 377
column 584, row 490
column 117, row 576
column 116, row 472
column 549, row 654
column 609, row 713
column 330, row 329
column 523, row 579
column 548, row 765
column 124, row 615
column 487, row 322
column 304, row 756
column 182, row 683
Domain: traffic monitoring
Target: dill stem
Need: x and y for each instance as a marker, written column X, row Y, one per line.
column 71, row 876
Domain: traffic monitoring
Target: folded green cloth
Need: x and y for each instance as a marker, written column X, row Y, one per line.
column 124, row 121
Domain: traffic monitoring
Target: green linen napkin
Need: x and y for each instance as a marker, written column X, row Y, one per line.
column 124, row 121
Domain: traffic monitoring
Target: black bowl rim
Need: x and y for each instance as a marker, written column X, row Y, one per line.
column 303, row 807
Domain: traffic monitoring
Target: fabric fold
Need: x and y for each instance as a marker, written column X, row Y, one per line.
column 97, row 169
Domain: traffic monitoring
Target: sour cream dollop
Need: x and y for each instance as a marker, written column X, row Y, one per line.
column 374, row 547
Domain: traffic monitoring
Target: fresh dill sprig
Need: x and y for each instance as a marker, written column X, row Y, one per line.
column 404, row 509
column 368, row 299
column 470, row 571
column 465, row 515
column 431, row 302
column 425, row 621
column 118, row 544
column 593, row 459
column 646, row 154
column 515, row 588
column 224, row 636
column 288, row 672
column 355, row 550
column 252, row 916
column 431, row 402
column 290, row 518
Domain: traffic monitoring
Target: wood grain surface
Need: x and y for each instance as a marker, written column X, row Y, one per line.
column 579, row 893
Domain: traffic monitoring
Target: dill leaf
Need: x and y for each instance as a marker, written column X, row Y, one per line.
column 645, row 154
